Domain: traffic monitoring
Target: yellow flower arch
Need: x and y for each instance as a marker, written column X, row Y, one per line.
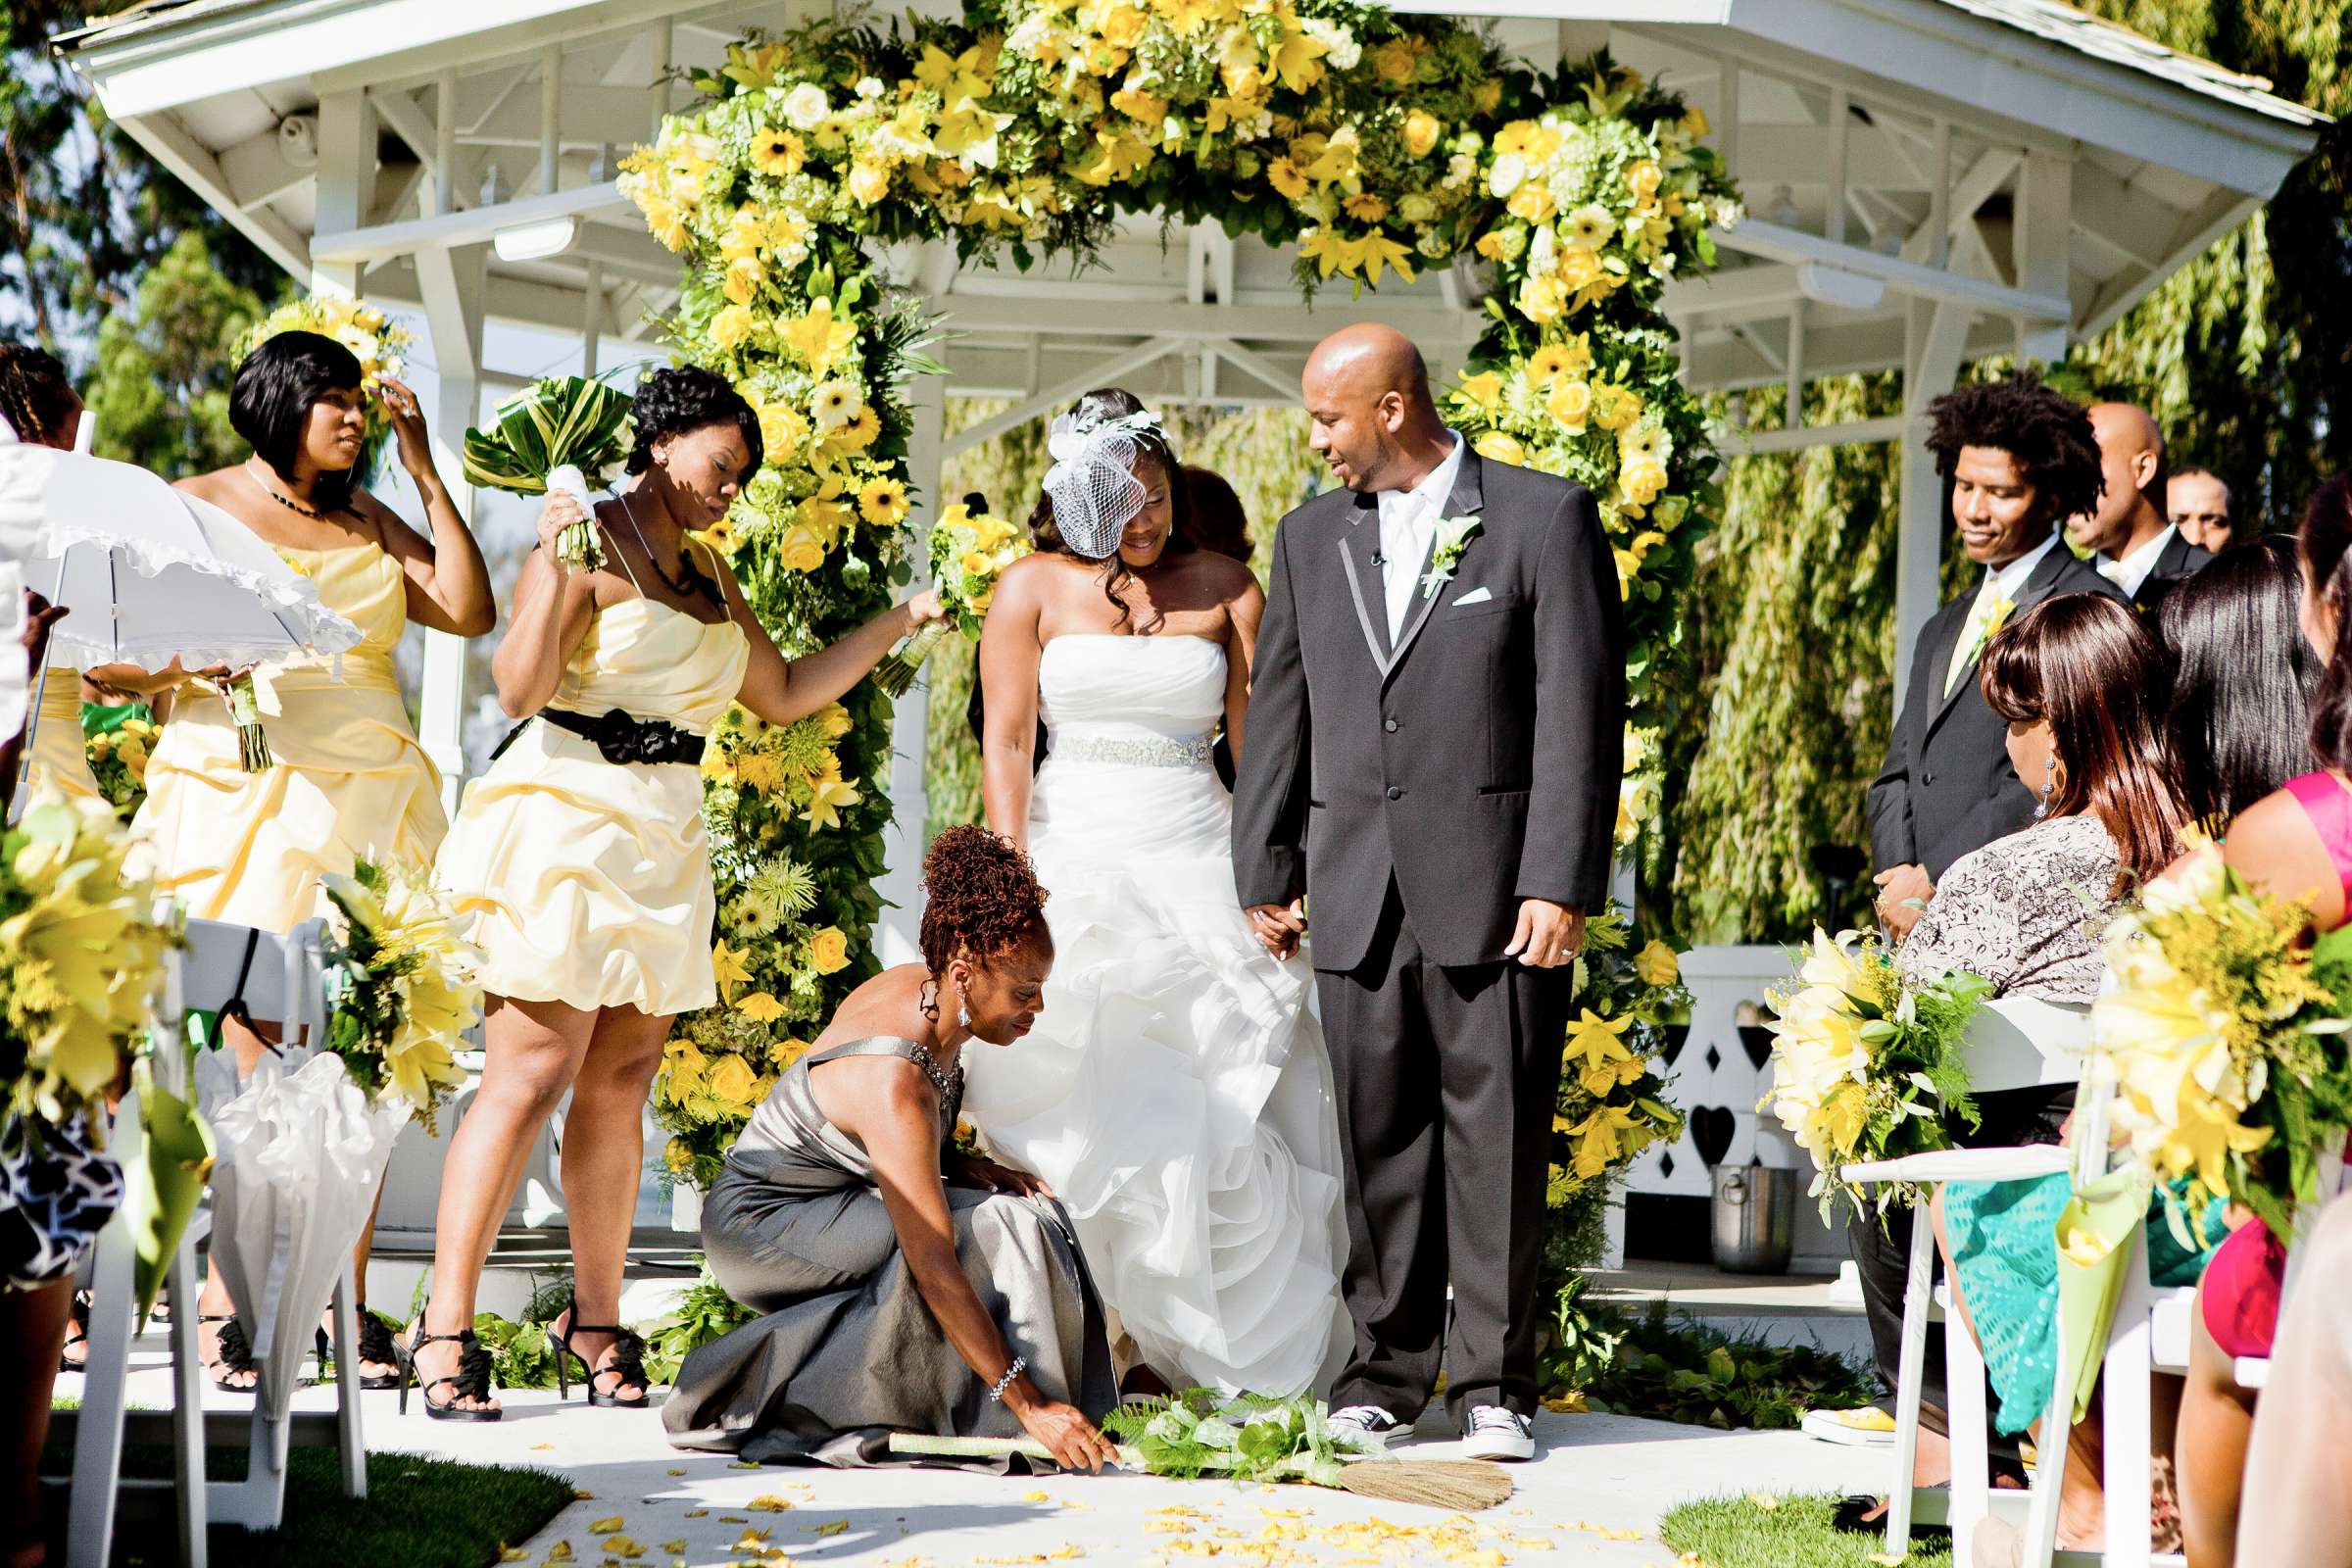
column 1378, row 145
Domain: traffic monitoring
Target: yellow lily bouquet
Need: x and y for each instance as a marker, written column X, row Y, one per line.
column 1867, row 1062
column 967, row 555
column 402, row 983
column 80, row 959
column 2226, row 1040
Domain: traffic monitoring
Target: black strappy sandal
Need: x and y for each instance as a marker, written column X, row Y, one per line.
column 471, row 1382
column 232, row 1354
column 626, row 1366
column 78, row 1332
column 375, row 1345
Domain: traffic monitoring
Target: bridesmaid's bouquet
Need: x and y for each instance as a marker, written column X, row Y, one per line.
column 81, row 958
column 400, row 980
column 1867, row 1062
column 967, row 556
column 553, row 436
column 2227, row 1039
column 117, row 754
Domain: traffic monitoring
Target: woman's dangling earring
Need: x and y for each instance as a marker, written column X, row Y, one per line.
column 2049, row 785
column 963, row 1017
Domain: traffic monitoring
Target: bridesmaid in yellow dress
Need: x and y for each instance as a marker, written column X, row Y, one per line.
column 581, row 857
column 42, row 410
column 347, row 777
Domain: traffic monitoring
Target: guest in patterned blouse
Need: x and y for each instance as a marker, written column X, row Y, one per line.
column 2081, row 684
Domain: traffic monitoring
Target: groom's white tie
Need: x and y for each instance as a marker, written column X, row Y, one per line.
column 1407, row 527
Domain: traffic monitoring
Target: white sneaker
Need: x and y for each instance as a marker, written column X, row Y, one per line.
column 1498, row 1433
column 1366, row 1427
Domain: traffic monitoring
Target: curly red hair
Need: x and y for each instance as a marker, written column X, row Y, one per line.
column 983, row 899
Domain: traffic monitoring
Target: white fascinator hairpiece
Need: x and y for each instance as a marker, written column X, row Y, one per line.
column 1092, row 484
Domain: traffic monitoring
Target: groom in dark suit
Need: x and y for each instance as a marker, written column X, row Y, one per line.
column 1432, row 754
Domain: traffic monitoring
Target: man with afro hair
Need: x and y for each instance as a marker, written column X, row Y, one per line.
column 2017, row 459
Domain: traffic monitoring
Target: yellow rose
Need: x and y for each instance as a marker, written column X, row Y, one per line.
column 1643, row 179
column 1656, row 966
column 733, row 1083
column 1501, row 448
column 1421, row 133
column 1395, row 61
column 869, row 181
column 1541, row 298
column 732, row 328
column 1571, row 404
column 1487, row 96
column 781, row 431
column 1642, row 480
column 799, row 549
column 1533, row 201
column 744, row 274
column 678, row 1156
column 829, row 950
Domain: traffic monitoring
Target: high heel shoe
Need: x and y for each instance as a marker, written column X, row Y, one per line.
column 375, row 1346
column 78, row 1332
column 471, row 1381
column 626, row 1366
column 232, row 1354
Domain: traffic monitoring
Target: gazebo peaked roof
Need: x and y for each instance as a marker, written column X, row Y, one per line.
column 1926, row 180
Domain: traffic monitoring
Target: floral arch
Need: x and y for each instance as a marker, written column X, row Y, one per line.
column 1374, row 143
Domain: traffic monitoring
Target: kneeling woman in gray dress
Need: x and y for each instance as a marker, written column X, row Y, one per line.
column 897, row 1297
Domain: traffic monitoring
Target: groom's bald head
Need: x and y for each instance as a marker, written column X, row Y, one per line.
column 1366, row 389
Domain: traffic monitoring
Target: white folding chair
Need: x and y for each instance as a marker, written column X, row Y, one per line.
column 281, row 978
column 2012, row 1043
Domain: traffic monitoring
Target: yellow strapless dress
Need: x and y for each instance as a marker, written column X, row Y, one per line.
column 590, row 881
column 350, row 778
column 58, row 755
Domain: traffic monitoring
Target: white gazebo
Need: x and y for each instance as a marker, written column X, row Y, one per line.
column 1926, row 180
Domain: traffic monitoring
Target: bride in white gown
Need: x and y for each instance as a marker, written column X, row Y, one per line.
column 1175, row 1092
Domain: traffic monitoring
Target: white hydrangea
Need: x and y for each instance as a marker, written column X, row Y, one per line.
column 1341, row 50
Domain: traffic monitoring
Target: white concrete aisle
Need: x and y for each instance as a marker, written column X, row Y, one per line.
column 1594, row 1497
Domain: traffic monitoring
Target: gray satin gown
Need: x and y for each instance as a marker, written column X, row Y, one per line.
column 794, row 1228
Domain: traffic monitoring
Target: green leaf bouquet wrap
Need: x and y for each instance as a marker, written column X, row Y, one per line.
column 552, row 436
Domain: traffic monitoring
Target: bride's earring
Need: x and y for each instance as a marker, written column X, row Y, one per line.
column 963, row 1017
column 2049, row 786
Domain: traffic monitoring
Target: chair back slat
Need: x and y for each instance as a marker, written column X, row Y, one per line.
column 284, row 979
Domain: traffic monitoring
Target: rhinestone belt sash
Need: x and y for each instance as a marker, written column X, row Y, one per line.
column 1156, row 750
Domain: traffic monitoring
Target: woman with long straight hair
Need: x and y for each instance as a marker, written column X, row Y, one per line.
column 2243, row 676
column 2082, row 685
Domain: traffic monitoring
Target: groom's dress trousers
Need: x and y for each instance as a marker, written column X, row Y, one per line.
column 1415, row 786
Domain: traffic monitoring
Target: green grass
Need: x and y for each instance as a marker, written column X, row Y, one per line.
column 419, row 1512
column 1735, row 1532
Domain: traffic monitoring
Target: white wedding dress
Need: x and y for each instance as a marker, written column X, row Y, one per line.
column 1175, row 1091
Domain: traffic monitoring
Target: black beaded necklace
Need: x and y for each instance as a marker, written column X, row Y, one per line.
column 286, row 500
column 696, row 585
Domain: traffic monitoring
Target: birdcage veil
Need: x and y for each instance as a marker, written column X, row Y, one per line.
column 1092, row 485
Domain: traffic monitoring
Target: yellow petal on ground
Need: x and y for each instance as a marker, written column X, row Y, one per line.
column 1168, row 1527
column 1035, row 1497
column 744, row 1464
column 623, row 1547
column 677, row 1472
column 513, row 1554
column 769, row 1504
column 560, row 1551
column 605, row 1526
column 698, row 1513
column 1764, row 1500
column 833, row 1529
column 673, row 1545
column 538, row 1446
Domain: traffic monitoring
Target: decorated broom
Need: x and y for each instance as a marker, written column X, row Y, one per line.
column 552, row 436
column 1199, row 1433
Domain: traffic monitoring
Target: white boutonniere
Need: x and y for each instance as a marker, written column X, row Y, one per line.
column 1445, row 554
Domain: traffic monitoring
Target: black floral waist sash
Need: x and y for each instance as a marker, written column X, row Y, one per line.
column 622, row 737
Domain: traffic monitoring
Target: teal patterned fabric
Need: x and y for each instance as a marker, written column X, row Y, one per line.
column 2004, row 1246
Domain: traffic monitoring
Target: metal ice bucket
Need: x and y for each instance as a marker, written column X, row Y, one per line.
column 1754, row 1219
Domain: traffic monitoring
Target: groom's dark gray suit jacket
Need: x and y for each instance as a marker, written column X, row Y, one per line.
column 1477, row 761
